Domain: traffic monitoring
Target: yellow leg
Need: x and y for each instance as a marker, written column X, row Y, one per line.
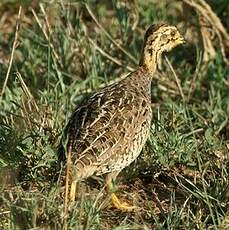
column 73, row 191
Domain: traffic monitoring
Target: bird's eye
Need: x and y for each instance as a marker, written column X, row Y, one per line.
column 164, row 37
column 173, row 33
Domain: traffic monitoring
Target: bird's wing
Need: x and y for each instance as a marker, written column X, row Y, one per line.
column 96, row 127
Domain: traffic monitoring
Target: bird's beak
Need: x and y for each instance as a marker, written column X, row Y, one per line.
column 181, row 40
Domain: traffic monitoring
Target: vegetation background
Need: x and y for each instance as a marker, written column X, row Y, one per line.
column 58, row 52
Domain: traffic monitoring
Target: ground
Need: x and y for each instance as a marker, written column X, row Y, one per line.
column 64, row 51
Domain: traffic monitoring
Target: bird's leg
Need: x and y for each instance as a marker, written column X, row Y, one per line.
column 72, row 195
column 75, row 180
column 68, row 175
column 111, row 189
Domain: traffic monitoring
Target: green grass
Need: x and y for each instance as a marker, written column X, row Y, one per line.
column 181, row 179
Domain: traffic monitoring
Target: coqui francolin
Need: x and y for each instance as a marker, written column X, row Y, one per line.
column 108, row 131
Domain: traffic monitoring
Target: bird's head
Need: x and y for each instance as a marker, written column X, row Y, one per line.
column 159, row 38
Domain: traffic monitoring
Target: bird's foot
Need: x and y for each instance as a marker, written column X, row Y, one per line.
column 123, row 206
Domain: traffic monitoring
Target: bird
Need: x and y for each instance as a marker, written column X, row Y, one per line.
column 107, row 132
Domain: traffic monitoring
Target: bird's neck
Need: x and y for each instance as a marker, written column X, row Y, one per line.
column 140, row 81
column 149, row 59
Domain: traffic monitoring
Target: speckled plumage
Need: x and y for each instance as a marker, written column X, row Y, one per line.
column 108, row 131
